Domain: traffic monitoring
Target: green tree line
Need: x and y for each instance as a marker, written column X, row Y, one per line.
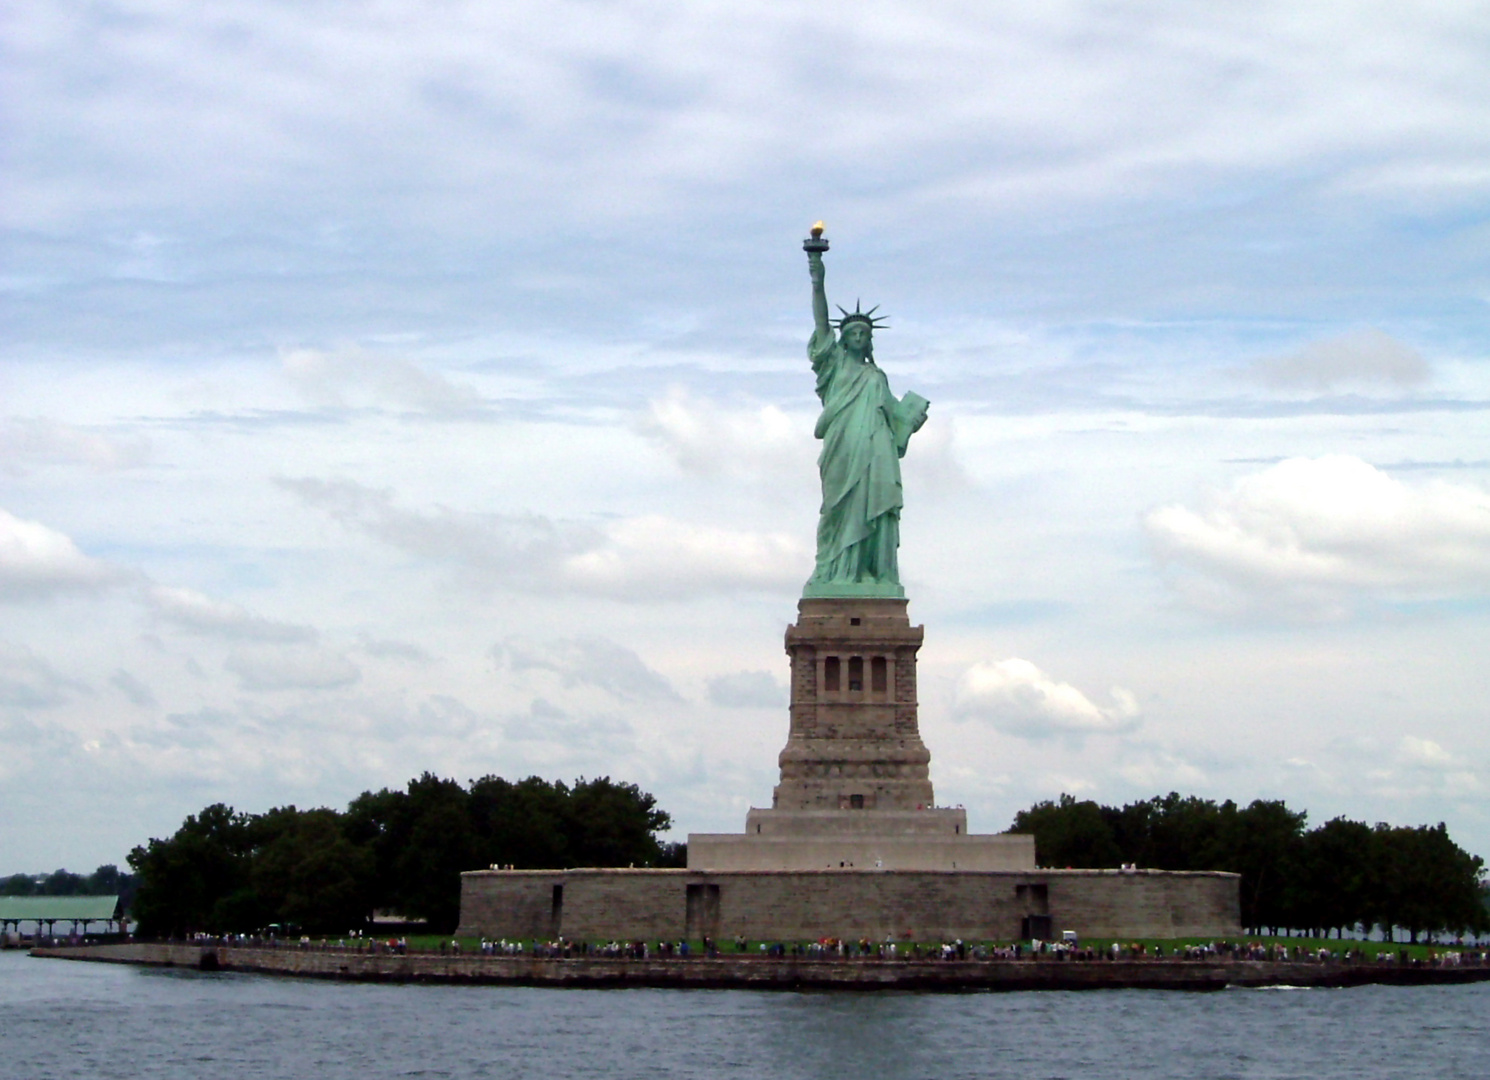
column 327, row 871
column 1340, row 876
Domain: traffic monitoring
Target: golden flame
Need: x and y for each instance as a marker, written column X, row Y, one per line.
column 817, row 231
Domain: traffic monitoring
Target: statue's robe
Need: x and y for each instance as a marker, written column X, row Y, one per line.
column 865, row 430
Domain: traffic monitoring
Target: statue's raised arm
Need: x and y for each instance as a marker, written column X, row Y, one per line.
column 865, row 430
column 815, row 246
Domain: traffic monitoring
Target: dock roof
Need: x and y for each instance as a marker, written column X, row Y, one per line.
column 47, row 908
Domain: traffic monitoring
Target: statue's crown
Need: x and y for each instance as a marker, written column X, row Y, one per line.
column 867, row 317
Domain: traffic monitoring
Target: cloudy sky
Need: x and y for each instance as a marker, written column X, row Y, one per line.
column 391, row 386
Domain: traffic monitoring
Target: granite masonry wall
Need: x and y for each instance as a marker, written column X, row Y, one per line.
column 807, row 905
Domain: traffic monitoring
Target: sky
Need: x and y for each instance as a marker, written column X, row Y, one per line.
column 391, row 386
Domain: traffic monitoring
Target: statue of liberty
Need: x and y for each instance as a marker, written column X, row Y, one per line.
column 865, row 430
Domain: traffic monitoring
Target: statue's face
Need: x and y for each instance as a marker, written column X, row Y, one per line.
column 856, row 338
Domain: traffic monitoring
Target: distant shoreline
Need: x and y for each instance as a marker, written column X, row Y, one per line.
column 773, row 973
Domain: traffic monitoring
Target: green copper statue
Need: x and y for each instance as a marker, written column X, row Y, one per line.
column 865, row 430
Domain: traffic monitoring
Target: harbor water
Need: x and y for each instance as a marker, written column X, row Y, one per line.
column 65, row 1019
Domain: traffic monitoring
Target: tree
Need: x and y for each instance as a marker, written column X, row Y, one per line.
column 63, row 883
column 378, row 822
column 613, row 824
column 538, row 825
column 1070, row 833
column 183, row 879
column 1334, row 875
column 1260, row 842
column 107, row 880
column 1171, row 832
column 440, row 844
column 308, row 873
column 18, row 885
column 1424, row 882
column 1454, row 881
column 525, row 824
column 403, row 851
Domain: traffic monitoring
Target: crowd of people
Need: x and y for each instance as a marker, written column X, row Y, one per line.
column 832, row 948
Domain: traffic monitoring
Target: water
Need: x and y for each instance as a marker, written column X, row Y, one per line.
column 67, row 1019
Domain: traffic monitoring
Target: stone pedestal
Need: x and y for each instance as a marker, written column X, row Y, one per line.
column 854, row 741
column 855, row 789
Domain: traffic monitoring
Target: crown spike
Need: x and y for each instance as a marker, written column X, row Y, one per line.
column 859, row 315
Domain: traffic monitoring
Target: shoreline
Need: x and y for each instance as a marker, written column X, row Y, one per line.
column 770, row 973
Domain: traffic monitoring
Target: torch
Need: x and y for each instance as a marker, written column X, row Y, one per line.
column 817, row 243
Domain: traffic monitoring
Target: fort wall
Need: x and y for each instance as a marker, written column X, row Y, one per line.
column 903, row 905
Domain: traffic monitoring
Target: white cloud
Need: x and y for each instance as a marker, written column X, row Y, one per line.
column 1413, row 770
column 710, row 439
column 655, row 557
column 1077, row 213
column 619, row 107
column 1365, row 358
column 132, row 688
column 290, row 667
column 506, row 549
column 25, row 440
column 194, row 611
column 441, row 714
column 38, row 562
column 1017, row 697
column 1309, row 533
column 932, row 465
column 1424, row 752
column 545, row 722
column 29, row 682
column 1155, row 769
column 386, row 649
column 636, row 558
column 1438, row 772
column 589, row 660
column 747, row 690
column 353, row 375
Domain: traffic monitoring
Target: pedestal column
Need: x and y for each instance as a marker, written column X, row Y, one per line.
column 854, row 741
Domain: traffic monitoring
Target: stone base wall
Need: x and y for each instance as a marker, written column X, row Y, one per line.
column 789, row 905
column 822, row 824
column 734, row 851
